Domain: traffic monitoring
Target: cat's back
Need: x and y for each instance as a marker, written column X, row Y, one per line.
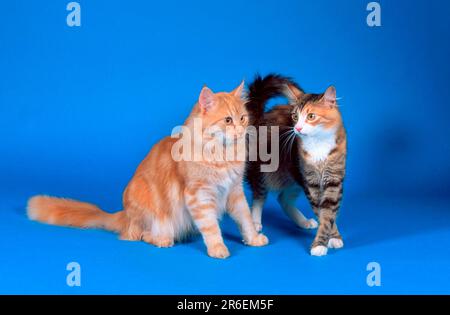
column 159, row 157
column 157, row 180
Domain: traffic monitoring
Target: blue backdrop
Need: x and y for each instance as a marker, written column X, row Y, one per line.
column 81, row 106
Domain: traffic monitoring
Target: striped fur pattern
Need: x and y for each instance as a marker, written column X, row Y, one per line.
column 168, row 200
column 312, row 156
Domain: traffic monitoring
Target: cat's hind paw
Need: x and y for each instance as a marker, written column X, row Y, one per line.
column 309, row 224
column 162, row 242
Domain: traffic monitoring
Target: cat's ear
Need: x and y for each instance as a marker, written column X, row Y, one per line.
column 293, row 93
column 239, row 91
column 206, row 100
column 329, row 97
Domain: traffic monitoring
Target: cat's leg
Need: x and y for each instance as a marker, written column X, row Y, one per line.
column 287, row 200
column 327, row 233
column 238, row 209
column 150, row 230
column 159, row 232
column 259, row 194
column 202, row 205
column 134, row 226
column 334, row 236
column 257, row 208
column 313, row 193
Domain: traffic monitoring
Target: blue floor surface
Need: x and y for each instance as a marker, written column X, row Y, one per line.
column 408, row 238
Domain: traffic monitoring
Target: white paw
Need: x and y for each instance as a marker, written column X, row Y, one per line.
column 335, row 243
column 309, row 224
column 319, row 251
column 258, row 226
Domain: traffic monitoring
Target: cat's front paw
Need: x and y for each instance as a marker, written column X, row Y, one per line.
column 309, row 224
column 335, row 243
column 319, row 250
column 259, row 240
column 218, row 251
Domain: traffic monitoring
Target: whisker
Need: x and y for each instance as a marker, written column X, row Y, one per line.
column 285, row 134
column 283, row 145
column 291, row 142
column 283, row 137
column 284, row 141
column 287, row 142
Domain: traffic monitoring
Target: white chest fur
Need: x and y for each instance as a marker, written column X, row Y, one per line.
column 319, row 145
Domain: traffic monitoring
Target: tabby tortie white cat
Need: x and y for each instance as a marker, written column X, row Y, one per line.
column 312, row 156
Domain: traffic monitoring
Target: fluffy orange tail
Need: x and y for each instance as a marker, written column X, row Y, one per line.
column 67, row 212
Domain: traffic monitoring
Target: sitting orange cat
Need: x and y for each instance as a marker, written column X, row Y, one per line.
column 167, row 200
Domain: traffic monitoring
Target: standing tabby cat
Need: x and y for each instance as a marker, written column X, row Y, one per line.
column 166, row 199
column 312, row 156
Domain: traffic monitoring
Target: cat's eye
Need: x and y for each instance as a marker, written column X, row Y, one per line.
column 294, row 117
column 243, row 118
column 228, row 120
column 311, row 116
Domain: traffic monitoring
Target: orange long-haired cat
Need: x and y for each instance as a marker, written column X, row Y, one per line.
column 168, row 199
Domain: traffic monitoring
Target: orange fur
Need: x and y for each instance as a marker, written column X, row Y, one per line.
column 69, row 212
column 167, row 200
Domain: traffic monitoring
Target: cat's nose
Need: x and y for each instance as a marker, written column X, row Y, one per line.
column 298, row 128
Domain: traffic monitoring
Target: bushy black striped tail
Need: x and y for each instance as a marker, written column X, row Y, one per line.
column 261, row 90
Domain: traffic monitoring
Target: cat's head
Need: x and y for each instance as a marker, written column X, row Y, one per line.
column 314, row 114
column 224, row 115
